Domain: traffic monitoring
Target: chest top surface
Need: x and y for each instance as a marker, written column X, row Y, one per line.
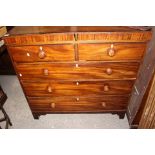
column 37, row 35
column 21, row 30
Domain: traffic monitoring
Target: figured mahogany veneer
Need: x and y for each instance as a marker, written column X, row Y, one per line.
column 83, row 71
column 79, row 104
column 77, row 88
column 72, row 69
column 49, row 53
column 121, row 51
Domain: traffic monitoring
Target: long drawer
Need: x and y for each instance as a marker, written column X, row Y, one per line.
column 66, row 71
column 115, row 51
column 81, row 104
column 42, row 53
column 71, row 88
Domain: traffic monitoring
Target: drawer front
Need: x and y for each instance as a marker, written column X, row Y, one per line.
column 93, row 104
column 115, row 36
column 42, row 53
column 39, row 39
column 70, row 71
column 51, row 89
column 116, row 51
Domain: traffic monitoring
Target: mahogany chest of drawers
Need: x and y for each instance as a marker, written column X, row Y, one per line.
column 77, row 69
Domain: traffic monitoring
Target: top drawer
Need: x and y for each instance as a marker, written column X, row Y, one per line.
column 42, row 53
column 115, row 51
column 113, row 35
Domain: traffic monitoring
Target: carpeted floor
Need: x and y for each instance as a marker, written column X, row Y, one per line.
column 21, row 117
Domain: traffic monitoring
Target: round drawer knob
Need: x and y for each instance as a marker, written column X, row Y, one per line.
column 103, row 104
column 109, row 71
column 49, row 89
column 41, row 53
column 52, row 105
column 46, row 72
column 106, row 88
column 77, row 99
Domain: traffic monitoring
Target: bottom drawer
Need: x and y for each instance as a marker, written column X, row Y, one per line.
column 79, row 104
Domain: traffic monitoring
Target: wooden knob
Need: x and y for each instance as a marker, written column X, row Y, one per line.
column 46, row 72
column 52, row 105
column 49, row 89
column 109, row 71
column 111, row 52
column 41, row 53
column 77, row 99
column 103, row 104
column 106, row 88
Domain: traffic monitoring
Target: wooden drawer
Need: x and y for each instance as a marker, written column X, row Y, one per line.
column 39, row 39
column 80, row 104
column 42, row 53
column 71, row 71
column 77, row 69
column 114, row 36
column 71, row 88
column 116, row 51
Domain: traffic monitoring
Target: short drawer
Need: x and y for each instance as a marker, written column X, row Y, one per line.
column 84, row 71
column 77, row 88
column 79, row 104
column 115, row 51
column 42, row 53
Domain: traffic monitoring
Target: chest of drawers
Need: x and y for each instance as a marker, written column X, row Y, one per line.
column 77, row 69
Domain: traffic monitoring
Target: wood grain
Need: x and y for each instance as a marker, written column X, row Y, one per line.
column 39, row 39
column 69, row 71
column 147, row 120
column 91, row 104
column 77, row 69
column 115, row 36
column 144, row 77
column 52, row 53
column 22, row 30
column 73, row 89
column 52, row 35
column 123, row 51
